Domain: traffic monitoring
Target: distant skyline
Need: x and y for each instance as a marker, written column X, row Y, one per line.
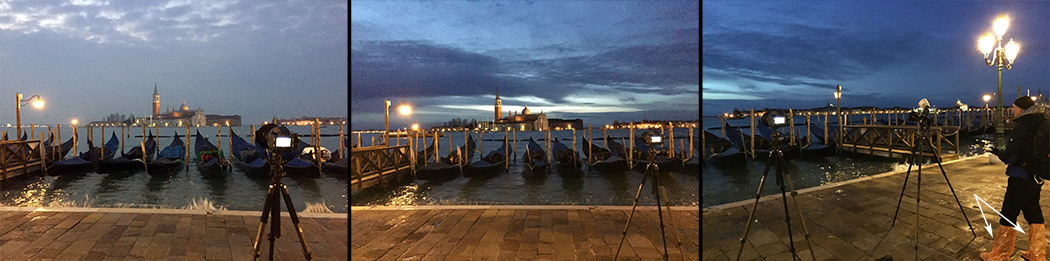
column 792, row 54
column 255, row 59
column 598, row 61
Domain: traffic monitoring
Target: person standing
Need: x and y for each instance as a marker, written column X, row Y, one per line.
column 1022, row 189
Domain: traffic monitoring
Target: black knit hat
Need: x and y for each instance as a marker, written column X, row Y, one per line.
column 1024, row 102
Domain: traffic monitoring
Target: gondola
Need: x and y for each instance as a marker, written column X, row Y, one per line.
column 488, row 165
column 789, row 151
column 603, row 159
column 448, row 167
column 209, row 158
column 731, row 155
column 338, row 168
column 534, row 157
column 85, row 162
column 425, row 154
column 170, row 158
column 663, row 162
column 250, row 158
column 57, row 153
column 299, row 163
column 565, row 157
column 133, row 159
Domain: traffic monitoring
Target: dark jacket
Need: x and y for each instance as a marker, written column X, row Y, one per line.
column 1019, row 145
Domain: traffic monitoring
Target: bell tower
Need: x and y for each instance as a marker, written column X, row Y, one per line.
column 156, row 101
column 499, row 107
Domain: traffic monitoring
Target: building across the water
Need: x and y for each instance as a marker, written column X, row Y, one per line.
column 526, row 120
column 183, row 115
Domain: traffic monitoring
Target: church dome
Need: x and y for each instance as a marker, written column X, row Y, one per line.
column 525, row 111
column 184, row 107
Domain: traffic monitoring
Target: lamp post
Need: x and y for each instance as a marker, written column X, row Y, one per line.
column 1002, row 58
column 37, row 103
column 838, row 112
column 402, row 108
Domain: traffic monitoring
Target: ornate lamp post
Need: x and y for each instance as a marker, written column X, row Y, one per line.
column 37, row 103
column 1003, row 57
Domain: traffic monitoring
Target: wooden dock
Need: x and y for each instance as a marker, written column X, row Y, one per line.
column 519, row 233
column 851, row 220
column 152, row 234
column 17, row 159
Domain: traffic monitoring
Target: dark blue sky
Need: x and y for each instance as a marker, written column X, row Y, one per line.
column 257, row 59
column 791, row 54
column 595, row 60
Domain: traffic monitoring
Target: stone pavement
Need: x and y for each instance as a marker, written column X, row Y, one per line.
column 851, row 220
column 519, row 233
column 152, row 234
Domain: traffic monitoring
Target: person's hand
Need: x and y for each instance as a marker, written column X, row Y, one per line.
column 995, row 151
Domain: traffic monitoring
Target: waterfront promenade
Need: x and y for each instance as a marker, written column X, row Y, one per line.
column 851, row 220
column 159, row 234
column 519, row 233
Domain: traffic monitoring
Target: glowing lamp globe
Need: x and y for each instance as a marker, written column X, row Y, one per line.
column 985, row 44
column 1011, row 50
column 1000, row 25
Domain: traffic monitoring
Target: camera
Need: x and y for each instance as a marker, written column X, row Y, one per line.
column 277, row 138
column 653, row 139
column 774, row 119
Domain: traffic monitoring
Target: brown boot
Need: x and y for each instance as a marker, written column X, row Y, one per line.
column 1036, row 243
column 1003, row 244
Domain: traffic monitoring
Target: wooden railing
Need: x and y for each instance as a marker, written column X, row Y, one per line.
column 17, row 157
column 900, row 139
column 379, row 162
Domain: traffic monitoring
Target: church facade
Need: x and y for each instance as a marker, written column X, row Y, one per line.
column 525, row 121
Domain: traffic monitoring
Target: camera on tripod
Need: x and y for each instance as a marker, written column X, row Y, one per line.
column 775, row 119
column 921, row 115
column 278, row 139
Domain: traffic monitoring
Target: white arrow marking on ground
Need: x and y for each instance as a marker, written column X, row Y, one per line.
column 1016, row 227
column 986, row 225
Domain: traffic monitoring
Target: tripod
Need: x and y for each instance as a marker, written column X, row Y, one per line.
column 776, row 157
column 272, row 207
column 916, row 154
column 650, row 169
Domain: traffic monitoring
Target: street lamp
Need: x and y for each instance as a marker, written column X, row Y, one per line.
column 37, row 103
column 838, row 111
column 1003, row 57
column 403, row 108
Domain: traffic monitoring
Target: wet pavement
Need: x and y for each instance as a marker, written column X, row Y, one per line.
column 851, row 220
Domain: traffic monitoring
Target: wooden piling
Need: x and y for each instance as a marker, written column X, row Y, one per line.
column 605, row 137
column 156, row 148
column 122, row 137
column 590, row 140
column 436, row 157
column 548, row 146
column 574, row 145
column 630, row 150
column 670, row 132
column 515, row 147
column 723, row 125
column 752, row 133
column 32, row 131
column 75, row 140
column 229, row 139
column 342, row 141
column 506, row 151
column 825, row 128
column 188, row 146
column 218, row 136
column 102, row 146
column 809, row 135
column 791, row 121
column 691, row 149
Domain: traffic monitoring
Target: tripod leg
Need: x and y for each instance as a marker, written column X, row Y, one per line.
column 911, row 162
column 754, row 206
column 791, row 186
column 275, row 225
column 787, row 214
column 945, row 174
column 667, row 203
column 295, row 221
column 629, row 217
column 262, row 224
column 659, row 211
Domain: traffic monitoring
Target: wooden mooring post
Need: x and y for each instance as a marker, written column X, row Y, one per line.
column 752, row 133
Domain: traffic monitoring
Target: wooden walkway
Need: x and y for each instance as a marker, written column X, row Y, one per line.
column 109, row 234
column 518, row 233
column 851, row 220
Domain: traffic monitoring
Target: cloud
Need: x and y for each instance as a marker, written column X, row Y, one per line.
column 791, row 52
